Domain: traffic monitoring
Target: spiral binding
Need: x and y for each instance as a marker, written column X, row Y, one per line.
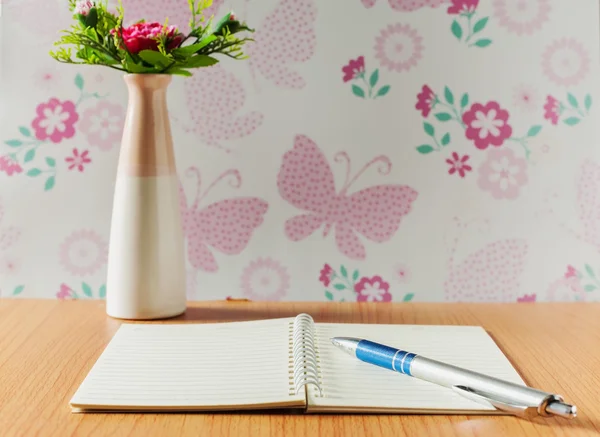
column 304, row 358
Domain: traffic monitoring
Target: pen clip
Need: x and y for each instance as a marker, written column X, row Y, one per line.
column 526, row 411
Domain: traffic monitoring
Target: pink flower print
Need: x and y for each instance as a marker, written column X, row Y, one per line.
column 571, row 272
column 487, row 125
column 83, row 253
column 55, row 120
column 526, row 298
column 373, row 289
column 552, row 110
column 78, row 161
column 402, row 273
column 463, row 6
column 65, row 292
column 526, row 98
column 325, row 275
column 103, row 125
column 399, row 47
column 265, row 279
column 9, row 166
column 522, row 17
column 566, row 62
column 503, row 174
column 566, row 290
column 354, row 69
column 407, row 5
column 425, row 100
column 47, row 78
column 9, row 265
column 458, row 164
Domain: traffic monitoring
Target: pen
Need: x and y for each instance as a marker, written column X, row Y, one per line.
column 503, row 395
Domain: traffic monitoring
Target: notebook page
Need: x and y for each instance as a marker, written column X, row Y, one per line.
column 350, row 384
column 192, row 367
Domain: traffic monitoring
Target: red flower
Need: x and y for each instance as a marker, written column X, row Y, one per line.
column 425, row 100
column 458, row 164
column 144, row 36
column 373, row 289
column 463, row 6
column 552, row 109
column 526, row 298
column 65, row 292
column 354, row 69
column 78, row 161
column 9, row 165
column 326, row 274
column 571, row 272
column 487, row 124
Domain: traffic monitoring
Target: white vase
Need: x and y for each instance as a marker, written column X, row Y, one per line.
column 146, row 261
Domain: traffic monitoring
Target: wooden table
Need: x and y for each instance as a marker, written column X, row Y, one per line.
column 48, row 347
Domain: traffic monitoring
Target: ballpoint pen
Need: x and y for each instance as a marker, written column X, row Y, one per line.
column 503, row 395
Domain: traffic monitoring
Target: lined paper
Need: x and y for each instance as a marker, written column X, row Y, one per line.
column 351, row 385
column 192, row 367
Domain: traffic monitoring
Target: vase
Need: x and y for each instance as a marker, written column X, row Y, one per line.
column 146, row 261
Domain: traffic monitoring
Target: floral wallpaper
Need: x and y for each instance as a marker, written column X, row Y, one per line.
column 368, row 151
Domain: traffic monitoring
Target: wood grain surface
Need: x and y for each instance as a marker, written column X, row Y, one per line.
column 47, row 348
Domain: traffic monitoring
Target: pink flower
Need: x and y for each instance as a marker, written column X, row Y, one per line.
column 526, row 298
column 571, row 272
column 487, row 125
column 463, row 6
column 83, row 7
column 458, row 164
column 566, row 62
column 78, row 161
column 402, row 273
column 65, row 292
column 354, row 69
column 83, row 253
column 326, row 274
column 526, row 98
column 9, row 166
column 265, row 279
column 144, row 36
column 55, row 120
column 103, row 125
column 373, row 289
column 565, row 290
column 399, row 47
column 552, row 110
column 425, row 100
column 520, row 16
column 502, row 174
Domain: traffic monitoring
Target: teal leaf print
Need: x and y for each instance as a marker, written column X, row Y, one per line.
column 483, row 42
column 443, row 116
column 534, row 130
column 358, row 91
column 457, row 30
column 29, row 155
column 588, row 102
column 446, row 139
column 480, row 25
column 49, row 183
column 18, row 290
column 86, row 289
column 429, row 129
column 343, row 271
column 425, row 149
column 589, row 270
column 34, row 172
column 328, row 295
column 355, row 275
column 590, row 287
column 24, row 131
column 340, row 286
column 13, row 143
column 51, row 162
column 408, row 297
column 572, row 100
column 448, row 95
column 383, row 90
column 374, row 78
column 572, row 121
column 102, row 292
column 464, row 101
column 79, row 81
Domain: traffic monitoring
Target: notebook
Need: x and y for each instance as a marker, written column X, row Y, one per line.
column 278, row 364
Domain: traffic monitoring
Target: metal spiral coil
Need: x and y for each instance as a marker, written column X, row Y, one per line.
column 304, row 366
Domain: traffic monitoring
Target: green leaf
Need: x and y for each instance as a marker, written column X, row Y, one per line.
column 446, row 139
column 590, row 270
column 374, row 78
column 408, row 297
column 425, row 149
column 79, row 81
column 179, row 72
column 443, row 116
column 480, row 25
column 13, row 143
column 590, row 287
column 343, row 271
column 24, row 131
column 483, row 42
column 572, row 100
column 448, row 95
column 428, row 128
column 572, row 121
column 328, row 295
column 199, row 61
column 456, row 30
column 358, row 91
column 155, row 58
column 34, row 172
column 50, row 161
column 355, row 275
column 18, row 290
column 133, row 67
column 102, row 292
column 92, row 18
column 49, row 183
column 588, row 102
column 383, row 90
column 87, row 290
column 193, row 48
column 29, row 155
column 340, row 286
column 464, row 101
column 534, row 130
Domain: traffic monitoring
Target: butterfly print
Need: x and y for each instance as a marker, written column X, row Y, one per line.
column 225, row 226
column 490, row 274
column 178, row 12
column 272, row 53
column 306, row 181
column 407, row 5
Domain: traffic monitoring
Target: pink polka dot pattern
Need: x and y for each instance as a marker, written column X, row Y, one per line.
column 588, row 199
column 287, row 35
column 407, row 5
column 214, row 96
column 178, row 12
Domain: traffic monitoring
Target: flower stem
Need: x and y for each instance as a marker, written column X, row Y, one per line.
column 362, row 76
column 523, row 143
column 457, row 116
column 470, row 35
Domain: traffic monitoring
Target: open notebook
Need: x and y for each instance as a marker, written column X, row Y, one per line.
column 279, row 363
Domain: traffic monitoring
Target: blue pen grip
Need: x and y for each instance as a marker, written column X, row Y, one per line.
column 384, row 356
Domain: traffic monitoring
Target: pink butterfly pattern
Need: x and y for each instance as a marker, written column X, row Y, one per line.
column 226, row 225
column 306, row 181
column 214, row 96
column 407, row 5
column 272, row 53
column 178, row 11
column 490, row 274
